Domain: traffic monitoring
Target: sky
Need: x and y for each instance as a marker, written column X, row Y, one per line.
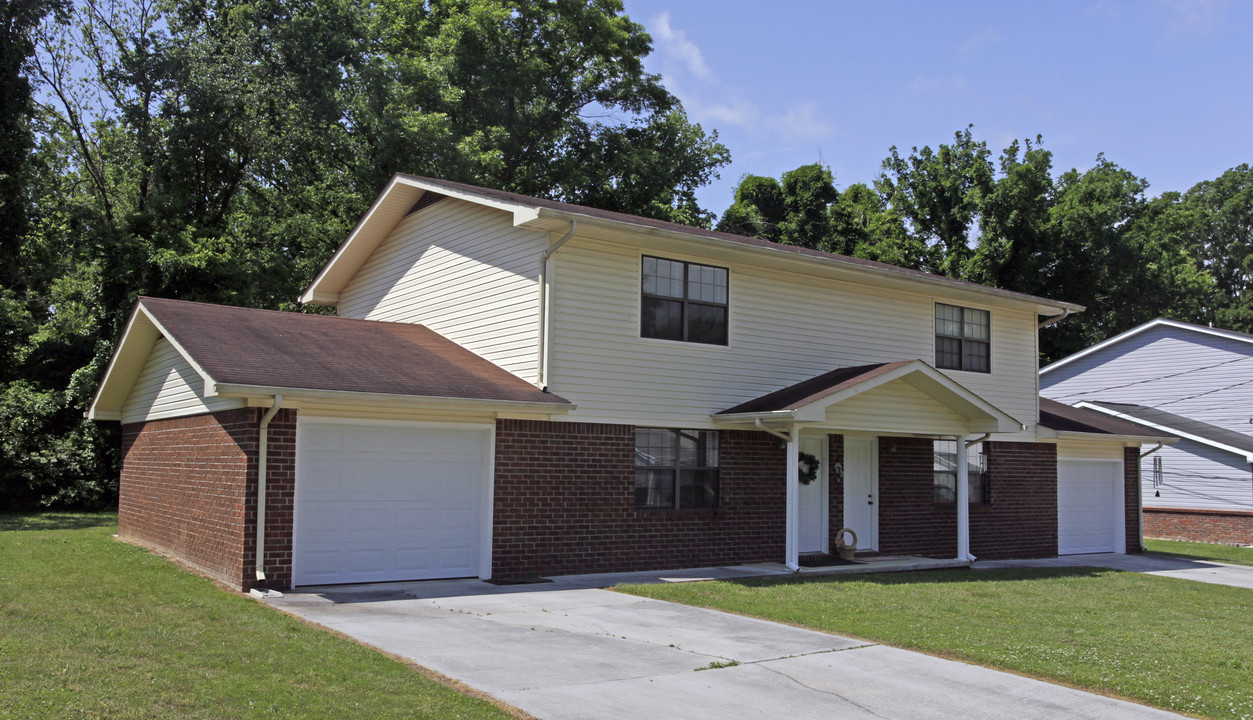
column 1164, row 88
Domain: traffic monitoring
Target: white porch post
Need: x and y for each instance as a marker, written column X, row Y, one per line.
column 792, row 534
column 963, row 501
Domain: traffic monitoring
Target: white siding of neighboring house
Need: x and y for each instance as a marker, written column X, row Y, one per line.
column 1196, row 375
column 169, row 387
column 1197, row 476
column 463, row 271
column 784, row 328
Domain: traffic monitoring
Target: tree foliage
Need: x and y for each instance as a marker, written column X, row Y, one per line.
column 219, row 151
column 1093, row 237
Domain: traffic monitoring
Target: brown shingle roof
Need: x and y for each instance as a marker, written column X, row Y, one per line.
column 243, row 346
column 1066, row 418
column 813, row 389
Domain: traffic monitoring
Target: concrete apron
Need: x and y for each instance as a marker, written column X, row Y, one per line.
column 566, row 650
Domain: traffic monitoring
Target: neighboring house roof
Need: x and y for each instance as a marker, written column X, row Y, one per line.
column 1159, row 322
column 403, row 191
column 242, row 351
column 1204, row 433
column 808, row 400
column 1065, row 418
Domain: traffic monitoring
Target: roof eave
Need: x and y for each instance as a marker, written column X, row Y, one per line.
column 1076, row 435
column 1248, row 456
column 1042, row 306
column 426, row 402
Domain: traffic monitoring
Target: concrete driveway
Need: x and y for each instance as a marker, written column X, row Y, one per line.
column 568, row 649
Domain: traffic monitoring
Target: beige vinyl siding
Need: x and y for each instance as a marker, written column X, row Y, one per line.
column 169, row 387
column 896, row 407
column 463, row 271
column 784, row 328
column 1089, row 450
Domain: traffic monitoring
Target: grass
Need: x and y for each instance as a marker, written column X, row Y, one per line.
column 1179, row 645
column 1201, row 551
column 94, row 628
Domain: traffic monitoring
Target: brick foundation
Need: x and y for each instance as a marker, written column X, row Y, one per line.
column 1212, row 526
column 1019, row 519
column 565, row 504
column 188, row 489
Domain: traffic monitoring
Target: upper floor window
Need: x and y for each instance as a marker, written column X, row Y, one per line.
column 683, row 301
column 963, row 338
column 676, row 468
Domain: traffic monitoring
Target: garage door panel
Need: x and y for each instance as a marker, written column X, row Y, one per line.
column 1088, row 499
column 387, row 502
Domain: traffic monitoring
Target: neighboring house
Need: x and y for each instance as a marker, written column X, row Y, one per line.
column 1190, row 381
column 519, row 387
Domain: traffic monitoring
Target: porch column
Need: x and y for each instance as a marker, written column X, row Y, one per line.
column 963, row 501
column 791, row 549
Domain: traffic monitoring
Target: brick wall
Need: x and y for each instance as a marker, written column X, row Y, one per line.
column 1020, row 518
column 910, row 521
column 188, row 489
column 1131, row 497
column 1213, row 526
column 565, row 504
column 835, row 499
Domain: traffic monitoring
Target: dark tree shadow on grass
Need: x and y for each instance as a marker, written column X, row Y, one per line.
column 56, row 520
column 934, row 577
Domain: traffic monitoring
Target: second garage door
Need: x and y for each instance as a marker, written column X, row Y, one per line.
column 379, row 501
column 1089, row 505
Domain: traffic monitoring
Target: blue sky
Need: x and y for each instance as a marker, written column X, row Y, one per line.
column 1163, row 87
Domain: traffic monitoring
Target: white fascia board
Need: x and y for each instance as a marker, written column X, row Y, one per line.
column 114, row 374
column 1159, row 322
column 1042, row 306
column 1120, row 439
column 314, row 293
column 1176, row 433
column 390, row 400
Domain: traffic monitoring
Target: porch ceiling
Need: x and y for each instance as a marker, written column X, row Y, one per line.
column 908, row 397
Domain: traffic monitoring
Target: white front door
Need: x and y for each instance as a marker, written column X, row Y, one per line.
column 861, row 490
column 813, row 500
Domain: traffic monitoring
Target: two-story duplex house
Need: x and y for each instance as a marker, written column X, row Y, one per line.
column 515, row 387
column 1186, row 380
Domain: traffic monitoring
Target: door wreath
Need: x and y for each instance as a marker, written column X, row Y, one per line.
column 808, row 468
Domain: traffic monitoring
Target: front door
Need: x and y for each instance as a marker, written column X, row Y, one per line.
column 813, row 500
column 861, row 490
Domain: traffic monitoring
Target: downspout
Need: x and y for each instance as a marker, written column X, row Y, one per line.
column 1150, row 452
column 261, row 451
column 544, row 341
column 1053, row 320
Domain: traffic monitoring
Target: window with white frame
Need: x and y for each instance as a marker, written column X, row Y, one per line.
column 676, row 468
column 944, row 471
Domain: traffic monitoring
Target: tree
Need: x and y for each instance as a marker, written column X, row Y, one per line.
column 796, row 211
column 1223, row 208
column 939, row 194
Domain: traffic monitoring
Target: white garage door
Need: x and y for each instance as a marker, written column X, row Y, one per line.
column 387, row 501
column 1089, row 506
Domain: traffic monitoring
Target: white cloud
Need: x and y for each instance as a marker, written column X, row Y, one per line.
column 983, row 39
column 715, row 103
column 1195, row 15
column 674, row 44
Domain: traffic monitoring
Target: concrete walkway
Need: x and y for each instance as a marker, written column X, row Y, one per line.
column 1199, row 570
column 568, row 649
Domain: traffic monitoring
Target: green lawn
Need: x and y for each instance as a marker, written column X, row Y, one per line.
column 94, row 628
column 1201, row 551
column 1176, row 644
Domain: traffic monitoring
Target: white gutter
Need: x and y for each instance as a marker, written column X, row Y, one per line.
column 261, row 451
column 1053, row 320
column 544, row 319
column 785, row 437
column 1150, row 452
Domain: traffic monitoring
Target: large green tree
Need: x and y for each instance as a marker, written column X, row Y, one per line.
column 219, row 151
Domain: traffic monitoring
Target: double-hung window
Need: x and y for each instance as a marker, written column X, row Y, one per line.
column 963, row 338
column 683, row 301
column 676, row 468
column 944, row 470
